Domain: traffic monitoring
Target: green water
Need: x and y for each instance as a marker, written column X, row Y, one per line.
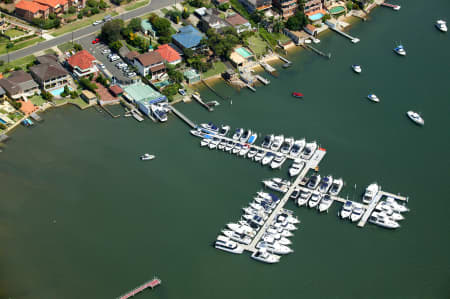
column 82, row 217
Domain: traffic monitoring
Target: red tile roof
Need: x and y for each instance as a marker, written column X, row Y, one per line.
column 168, row 53
column 236, row 20
column 116, row 90
column 30, row 6
column 52, row 3
column 82, row 60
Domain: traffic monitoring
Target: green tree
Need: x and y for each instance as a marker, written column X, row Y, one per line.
column 77, row 47
column 111, row 30
column 174, row 75
column 72, row 9
column 115, row 45
column 185, row 14
column 102, row 4
column 188, row 53
column 135, row 24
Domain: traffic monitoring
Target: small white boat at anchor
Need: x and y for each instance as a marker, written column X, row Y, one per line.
column 400, row 50
column 373, row 98
column 441, row 25
column 146, row 157
column 356, row 68
column 415, row 117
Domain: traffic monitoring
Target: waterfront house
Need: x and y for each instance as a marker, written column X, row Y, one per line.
column 187, row 38
column 210, row 19
column 105, row 97
column 287, row 7
column 89, row 97
column 253, row 5
column 313, row 9
column 143, row 96
column 30, row 10
column 169, row 54
column 131, row 56
column 150, row 63
column 239, row 23
column 192, row 76
column 241, row 56
column 116, row 90
column 49, row 74
column 82, row 64
column 19, row 84
column 310, row 29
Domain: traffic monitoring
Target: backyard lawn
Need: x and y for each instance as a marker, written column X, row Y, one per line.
column 81, row 23
column 37, row 100
column 218, row 68
column 21, row 62
column 257, row 45
column 79, row 102
column 14, row 32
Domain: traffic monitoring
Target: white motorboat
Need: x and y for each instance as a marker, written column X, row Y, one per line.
column 264, row 195
column 225, row 244
column 242, row 229
column 397, row 207
column 245, row 149
column 357, row 212
column 346, row 210
column 441, row 25
column 252, row 138
column 276, row 247
column 214, row 143
column 267, row 141
column 371, row 192
column 289, row 218
column 205, row 141
column 284, row 225
column 303, row 198
column 240, row 238
column 309, row 150
column 400, row 50
column 314, row 200
column 297, row 148
column 158, row 112
column 222, row 144
column 283, row 232
column 267, row 158
column 224, row 130
column 325, row 184
column 252, row 153
column 236, row 149
column 287, row 145
column 258, row 220
column 296, row 168
column 383, row 221
column 229, row 146
column 336, row 186
column 277, row 142
column 259, row 155
column 237, row 134
column 263, row 256
column 281, row 181
column 146, row 157
column 278, row 161
column 356, row 68
column 325, row 203
column 275, row 186
column 389, row 211
column 313, row 181
column 210, row 127
column 245, row 136
column 295, row 193
column 415, row 117
column 373, row 98
column 197, row 133
column 276, row 238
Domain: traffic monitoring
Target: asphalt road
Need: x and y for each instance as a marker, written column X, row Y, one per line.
column 154, row 5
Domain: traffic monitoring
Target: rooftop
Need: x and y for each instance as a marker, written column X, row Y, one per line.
column 168, row 53
column 236, row 20
column 47, row 71
column 31, row 6
column 149, row 58
column 147, row 26
column 188, row 37
column 140, row 92
column 51, row 3
column 82, row 59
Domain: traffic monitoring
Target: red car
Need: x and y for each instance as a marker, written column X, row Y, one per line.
column 96, row 41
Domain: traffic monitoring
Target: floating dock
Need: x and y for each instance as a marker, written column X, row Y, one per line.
column 197, row 97
column 182, row 116
column 393, row 6
column 318, row 51
column 351, row 38
column 262, row 80
column 149, row 284
column 136, row 116
column 35, row 116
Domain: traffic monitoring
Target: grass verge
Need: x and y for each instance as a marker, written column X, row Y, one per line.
column 136, row 5
column 20, row 45
column 21, row 62
column 81, row 23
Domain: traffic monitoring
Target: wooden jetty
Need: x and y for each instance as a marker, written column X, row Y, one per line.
column 197, row 97
column 268, row 68
column 250, row 87
column 148, row 284
column 182, row 116
column 214, row 91
column 262, row 80
column 35, row 116
column 334, row 27
column 317, row 51
column 393, row 6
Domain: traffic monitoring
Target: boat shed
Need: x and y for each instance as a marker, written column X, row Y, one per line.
column 143, row 95
column 192, row 76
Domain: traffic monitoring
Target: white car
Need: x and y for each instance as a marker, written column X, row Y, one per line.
column 101, row 65
column 114, row 58
column 129, row 75
column 97, row 22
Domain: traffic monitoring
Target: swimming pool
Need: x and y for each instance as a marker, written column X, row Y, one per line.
column 316, row 16
column 243, row 52
column 59, row 91
column 337, row 9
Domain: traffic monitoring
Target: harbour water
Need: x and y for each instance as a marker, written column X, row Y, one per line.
column 83, row 217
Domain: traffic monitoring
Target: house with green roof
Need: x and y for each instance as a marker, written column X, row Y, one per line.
column 143, row 95
column 147, row 28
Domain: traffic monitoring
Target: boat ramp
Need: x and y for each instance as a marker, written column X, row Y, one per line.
column 148, row 284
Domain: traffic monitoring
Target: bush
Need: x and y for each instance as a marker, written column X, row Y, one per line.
column 9, row 45
column 102, row 4
column 224, row 6
column 87, row 84
column 95, row 10
column 115, row 46
column 47, row 96
column 77, row 47
column 73, row 94
column 185, row 14
column 2, row 62
column 80, row 15
column 72, row 9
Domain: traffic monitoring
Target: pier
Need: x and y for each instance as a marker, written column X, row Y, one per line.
column 393, row 6
column 149, row 284
column 35, row 116
column 250, row 87
column 317, row 51
column 334, row 27
column 197, row 97
column 268, row 68
column 262, row 80
column 182, row 116
column 214, row 91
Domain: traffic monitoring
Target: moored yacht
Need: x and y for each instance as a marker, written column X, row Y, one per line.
column 242, row 229
column 310, row 149
column 222, row 144
column 396, row 206
column 158, row 112
column 325, row 184
column 278, row 161
column 210, row 127
column 296, row 168
column 245, row 136
column 225, row 244
column 237, row 134
column 441, row 25
column 244, row 151
column 313, row 181
column 400, row 50
column 252, row 153
column 336, row 187
column 240, row 238
column 283, row 232
column 252, row 138
column 357, row 212
column 297, row 147
column 276, row 238
column 259, row 155
column 236, row 149
column 287, row 145
column 314, row 200
column 371, row 192
column 263, row 256
column 224, row 130
column 346, row 210
column 267, row 141
column 275, row 186
column 325, row 203
column 383, row 221
column 373, row 98
column 229, row 146
column 303, row 198
column 415, row 117
column 277, row 142
column 276, row 247
column 214, row 143
column 356, row 68
column 267, row 158
column 205, row 141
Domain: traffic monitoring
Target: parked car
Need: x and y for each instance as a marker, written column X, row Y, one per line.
column 182, row 92
column 97, row 22
column 96, row 41
column 101, row 65
column 114, row 58
column 132, row 74
column 106, row 51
